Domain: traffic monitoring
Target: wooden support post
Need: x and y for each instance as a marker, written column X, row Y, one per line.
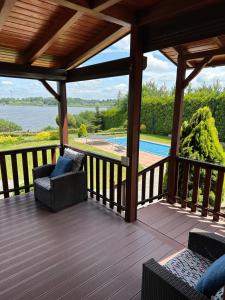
column 134, row 109
column 177, row 119
column 62, row 106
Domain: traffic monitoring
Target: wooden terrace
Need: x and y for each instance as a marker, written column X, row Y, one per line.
column 89, row 251
column 85, row 251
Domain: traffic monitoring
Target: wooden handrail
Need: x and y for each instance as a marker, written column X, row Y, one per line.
column 28, row 149
column 96, row 155
column 155, row 165
column 203, row 164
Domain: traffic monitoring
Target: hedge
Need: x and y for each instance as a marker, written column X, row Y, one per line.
column 157, row 113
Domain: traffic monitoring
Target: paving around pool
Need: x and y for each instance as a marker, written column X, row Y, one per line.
column 149, row 154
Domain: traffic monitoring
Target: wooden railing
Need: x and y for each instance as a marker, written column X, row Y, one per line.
column 151, row 183
column 193, row 175
column 16, row 167
column 104, row 179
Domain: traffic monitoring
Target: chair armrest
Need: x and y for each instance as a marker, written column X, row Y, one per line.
column 158, row 283
column 42, row 171
column 208, row 244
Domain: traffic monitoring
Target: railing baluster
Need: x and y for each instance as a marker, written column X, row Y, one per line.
column 207, row 186
column 5, row 184
column 161, row 173
column 15, row 173
column 44, row 156
column 151, row 185
column 111, row 188
column 195, row 188
column 53, row 155
column 104, row 176
column 143, row 186
column 185, row 184
column 91, row 177
column 35, row 158
column 218, row 196
column 119, row 180
column 97, row 175
column 25, row 172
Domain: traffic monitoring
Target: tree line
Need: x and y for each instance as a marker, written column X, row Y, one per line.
column 41, row 101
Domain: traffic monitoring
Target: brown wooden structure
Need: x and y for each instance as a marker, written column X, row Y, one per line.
column 49, row 39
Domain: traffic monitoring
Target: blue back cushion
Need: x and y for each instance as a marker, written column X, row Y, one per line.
column 213, row 279
column 63, row 165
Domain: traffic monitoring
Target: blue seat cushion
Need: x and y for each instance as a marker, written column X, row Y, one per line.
column 213, row 278
column 63, row 166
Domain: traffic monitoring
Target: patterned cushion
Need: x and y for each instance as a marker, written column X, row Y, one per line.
column 189, row 266
column 77, row 158
column 44, row 182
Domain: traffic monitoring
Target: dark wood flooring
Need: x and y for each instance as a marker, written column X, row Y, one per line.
column 175, row 223
column 83, row 252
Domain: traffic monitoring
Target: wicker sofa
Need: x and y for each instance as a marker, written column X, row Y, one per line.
column 169, row 283
column 61, row 191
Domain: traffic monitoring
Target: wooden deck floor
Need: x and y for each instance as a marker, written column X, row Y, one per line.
column 85, row 251
column 175, row 223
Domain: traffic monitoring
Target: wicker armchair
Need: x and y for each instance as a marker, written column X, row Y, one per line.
column 61, row 191
column 161, row 284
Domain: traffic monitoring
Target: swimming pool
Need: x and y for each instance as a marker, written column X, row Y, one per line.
column 157, row 149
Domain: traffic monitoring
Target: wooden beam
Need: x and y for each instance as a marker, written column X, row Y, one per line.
column 50, row 89
column 107, row 37
column 177, row 120
column 112, row 68
column 5, row 9
column 197, row 70
column 203, row 54
column 63, row 118
column 31, row 72
column 44, row 41
column 169, row 9
column 206, row 22
column 96, row 12
column 134, row 109
column 100, row 5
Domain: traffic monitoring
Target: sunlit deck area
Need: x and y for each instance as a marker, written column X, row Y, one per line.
column 85, row 251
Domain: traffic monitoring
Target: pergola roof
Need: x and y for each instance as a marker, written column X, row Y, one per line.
column 62, row 34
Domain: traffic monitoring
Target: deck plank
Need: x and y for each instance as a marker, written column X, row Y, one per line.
column 85, row 251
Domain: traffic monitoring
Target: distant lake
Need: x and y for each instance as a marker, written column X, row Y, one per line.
column 35, row 118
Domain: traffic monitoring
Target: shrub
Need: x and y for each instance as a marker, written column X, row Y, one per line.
column 4, row 139
column 71, row 121
column 82, row 130
column 116, row 129
column 143, row 128
column 8, row 126
column 199, row 141
column 47, row 135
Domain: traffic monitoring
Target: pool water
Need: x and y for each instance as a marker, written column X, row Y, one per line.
column 157, row 149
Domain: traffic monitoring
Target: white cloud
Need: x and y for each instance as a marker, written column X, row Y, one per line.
column 6, row 82
column 122, row 45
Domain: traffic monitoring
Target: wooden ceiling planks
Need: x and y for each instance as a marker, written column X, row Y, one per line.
column 5, row 9
column 105, row 39
column 65, row 33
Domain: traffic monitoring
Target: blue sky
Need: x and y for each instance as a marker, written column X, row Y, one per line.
column 159, row 69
